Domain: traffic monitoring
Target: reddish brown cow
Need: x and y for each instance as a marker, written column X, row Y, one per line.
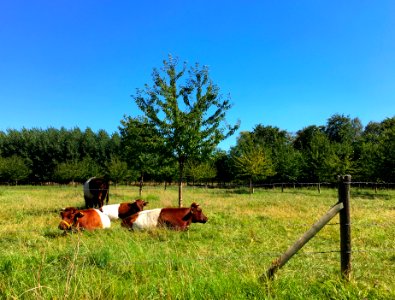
column 174, row 218
column 123, row 210
column 83, row 218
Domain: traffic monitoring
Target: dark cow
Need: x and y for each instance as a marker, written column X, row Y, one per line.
column 95, row 191
column 173, row 218
column 123, row 210
column 89, row 219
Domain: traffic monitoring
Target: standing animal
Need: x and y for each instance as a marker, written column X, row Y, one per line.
column 173, row 218
column 123, row 210
column 88, row 219
column 95, row 191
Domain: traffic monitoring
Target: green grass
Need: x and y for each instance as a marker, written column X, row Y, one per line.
column 222, row 259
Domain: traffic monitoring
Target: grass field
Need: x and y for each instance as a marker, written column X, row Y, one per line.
column 222, row 259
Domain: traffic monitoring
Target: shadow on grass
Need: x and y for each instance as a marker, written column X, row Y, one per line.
column 369, row 195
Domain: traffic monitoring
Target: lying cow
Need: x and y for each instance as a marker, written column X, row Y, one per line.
column 123, row 210
column 89, row 219
column 174, row 218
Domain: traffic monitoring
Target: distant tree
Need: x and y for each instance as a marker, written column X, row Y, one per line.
column 117, row 170
column 342, row 129
column 387, row 150
column 286, row 161
column 223, row 165
column 377, row 152
column 167, row 171
column 200, row 171
column 251, row 160
column 142, row 145
column 67, row 171
column 319, row 159
column 189, row 115
column 304, row 136
column 13, row 168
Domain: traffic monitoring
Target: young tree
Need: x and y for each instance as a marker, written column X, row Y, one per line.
column 190, row 115
column 251, row 160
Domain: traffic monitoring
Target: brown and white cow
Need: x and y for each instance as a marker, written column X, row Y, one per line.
column 173, row 218
column 96, row 190
column 123, row 210
column 89, row 219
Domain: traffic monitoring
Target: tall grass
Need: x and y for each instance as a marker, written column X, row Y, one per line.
column 222, row 259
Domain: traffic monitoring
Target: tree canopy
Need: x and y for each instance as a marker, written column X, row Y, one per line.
column 185, row 107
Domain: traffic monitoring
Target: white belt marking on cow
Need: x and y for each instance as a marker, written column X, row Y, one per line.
column 105, row 220
column 147, row 219
column 111, row 211
column 87, row 191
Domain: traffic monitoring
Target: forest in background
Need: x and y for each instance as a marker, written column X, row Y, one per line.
column 264, row 155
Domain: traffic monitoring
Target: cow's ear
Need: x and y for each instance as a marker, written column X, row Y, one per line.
column 145, row 203
column 79, row 215
column 194, row 205
column 193, row 209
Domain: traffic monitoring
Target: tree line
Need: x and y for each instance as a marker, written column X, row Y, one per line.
column 264, row 155
column 176, row 138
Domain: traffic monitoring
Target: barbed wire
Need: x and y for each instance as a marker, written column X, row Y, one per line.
column 92, row 260
column 215, row 185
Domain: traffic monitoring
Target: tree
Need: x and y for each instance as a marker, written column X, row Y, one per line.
column 285, row 159
column 117, row 170
column 201, row 171
column 189, row 115
column 319, row 158
column 14, row 169
column 251, row 160
column 142, row 146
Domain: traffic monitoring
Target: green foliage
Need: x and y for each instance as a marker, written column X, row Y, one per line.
column 200, row 172
column 13, row 168
column 188, row 114
column 251, row 160
column 315, row 153
column 117, row 170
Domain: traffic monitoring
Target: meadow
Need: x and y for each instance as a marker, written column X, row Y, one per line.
column 222, row 259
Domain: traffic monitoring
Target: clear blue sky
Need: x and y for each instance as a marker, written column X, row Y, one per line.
column 288, row 64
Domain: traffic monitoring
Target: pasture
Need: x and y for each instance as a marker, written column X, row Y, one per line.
column 222, row 259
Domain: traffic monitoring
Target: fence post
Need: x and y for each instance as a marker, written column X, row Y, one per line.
column 282, row 260
column 345, row 226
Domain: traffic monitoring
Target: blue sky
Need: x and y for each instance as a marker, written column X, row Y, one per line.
column 288, row 64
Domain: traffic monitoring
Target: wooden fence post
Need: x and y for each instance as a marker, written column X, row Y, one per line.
column 345, row 226
column 282, row 260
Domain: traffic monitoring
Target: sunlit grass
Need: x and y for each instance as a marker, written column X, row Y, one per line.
column 222, row 259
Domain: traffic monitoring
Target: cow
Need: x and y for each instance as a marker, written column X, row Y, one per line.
column 123, row 210
column 173, row 218
column 89, row 219
column 95, row 191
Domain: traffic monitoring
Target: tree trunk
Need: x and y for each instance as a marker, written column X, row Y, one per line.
column 141, row 184
column 180, row 179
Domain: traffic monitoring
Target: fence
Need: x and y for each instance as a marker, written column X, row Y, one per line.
column 345, row 233
column 343, row 208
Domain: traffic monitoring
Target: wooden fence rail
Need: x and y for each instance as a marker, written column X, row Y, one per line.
column 343, row 208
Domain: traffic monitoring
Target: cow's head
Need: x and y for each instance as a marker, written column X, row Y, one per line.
column 197, row 214
column 128, row 209
column 69, row 217
column 140, row 204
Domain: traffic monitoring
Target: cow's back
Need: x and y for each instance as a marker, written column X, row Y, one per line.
column 94, row 219
column 87, row 191
column 105, row 220
column 145, row 219
column 112, row 211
